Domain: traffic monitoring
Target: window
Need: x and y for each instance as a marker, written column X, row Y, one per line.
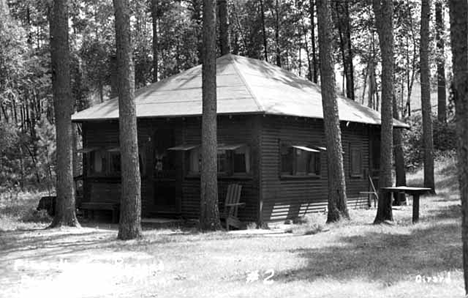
column 299, row 160
column 195, row 160
column 355, row 159
column 97, row 162
column 114, row 162
column 241, row 160
column 107, row 162
column 375, row 153
column 231, row 159
column 222, row 161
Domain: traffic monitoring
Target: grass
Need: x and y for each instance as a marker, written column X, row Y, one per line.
column 18, row 211
column 347, row 259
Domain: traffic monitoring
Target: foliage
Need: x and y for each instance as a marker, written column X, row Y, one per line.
column 18, row 210
column 25, row 76
column 9, row 140
column 444, row 140
column 46, row 157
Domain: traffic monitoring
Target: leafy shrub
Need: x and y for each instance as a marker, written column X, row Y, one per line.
column 22, row 208
column 444, row 140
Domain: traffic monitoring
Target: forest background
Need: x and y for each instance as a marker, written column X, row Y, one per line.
column 167, row 39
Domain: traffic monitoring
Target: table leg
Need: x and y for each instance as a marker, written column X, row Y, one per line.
column 415, row 208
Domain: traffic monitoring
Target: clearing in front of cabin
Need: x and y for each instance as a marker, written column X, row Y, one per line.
column 348, row 259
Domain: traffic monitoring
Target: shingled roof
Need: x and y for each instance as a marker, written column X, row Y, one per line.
column 244, row 86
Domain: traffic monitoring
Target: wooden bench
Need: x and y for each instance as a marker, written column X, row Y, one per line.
column 414, row 191
column 90, row 207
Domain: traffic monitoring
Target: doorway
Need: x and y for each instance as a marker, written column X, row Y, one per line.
column 165, row 198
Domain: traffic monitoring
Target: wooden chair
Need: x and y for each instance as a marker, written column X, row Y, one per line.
column 231, row 205
column 372, row 192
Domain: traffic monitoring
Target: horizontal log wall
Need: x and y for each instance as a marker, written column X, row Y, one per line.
column 291, row 197
column 105, row 134
column 280, row 198
column 231, row 130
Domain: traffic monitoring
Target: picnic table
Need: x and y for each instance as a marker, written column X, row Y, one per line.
column 414, row 191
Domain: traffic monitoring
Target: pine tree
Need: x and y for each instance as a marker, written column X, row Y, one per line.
column 130, row 201
column 383, row 10
column 337, row 208
column 209, row 212
column 63, row 107
column 426, row 98
column 441, row 83
column 223, row 27
column 458, row 29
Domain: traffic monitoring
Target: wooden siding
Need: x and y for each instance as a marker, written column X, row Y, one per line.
column 231, row 130
column 267, row 195
column 105, row 134
column 290, row 197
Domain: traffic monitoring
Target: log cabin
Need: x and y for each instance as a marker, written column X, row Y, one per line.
column 271, row 141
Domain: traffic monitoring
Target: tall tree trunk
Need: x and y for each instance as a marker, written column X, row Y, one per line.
column 383, row 10
column 458, row 29
column 398, row 154
column 223, row 27
column 209, row 212
column 410, row 71
column 154, row 16
column 350, row 81
column 306, row 44
column 337, row 208
column 277, row 34
column 197, row 18
column 114, row 78
column 314, row 52
column 265, row 40
column 426, row 98
column 344, row 29
column 441, row 83
column 63, row 106
column 130, row 201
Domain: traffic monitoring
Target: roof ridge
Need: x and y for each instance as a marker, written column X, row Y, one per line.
column 239, row 73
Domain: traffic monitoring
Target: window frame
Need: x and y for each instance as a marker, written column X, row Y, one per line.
column 225, row 153
column 107, row 155
column 355, row 170
column 295, row 150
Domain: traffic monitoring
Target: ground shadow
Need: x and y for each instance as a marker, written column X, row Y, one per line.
column 385, row 257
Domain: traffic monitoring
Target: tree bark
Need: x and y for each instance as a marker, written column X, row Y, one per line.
column 426, row 98
column 209, row 212
column 114, row 78
column 343, row 21
column 265, row 40
column 314, row 48
column 63, row 106
column 337, row 201
column 154, row 16
column 383, row 10
column 398, row 154
column 130, row 201
column 441, row 83
column 458, row 29
column 223, row 27
column 277, row 34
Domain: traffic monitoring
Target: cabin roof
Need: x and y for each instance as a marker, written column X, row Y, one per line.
column 244, row 86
